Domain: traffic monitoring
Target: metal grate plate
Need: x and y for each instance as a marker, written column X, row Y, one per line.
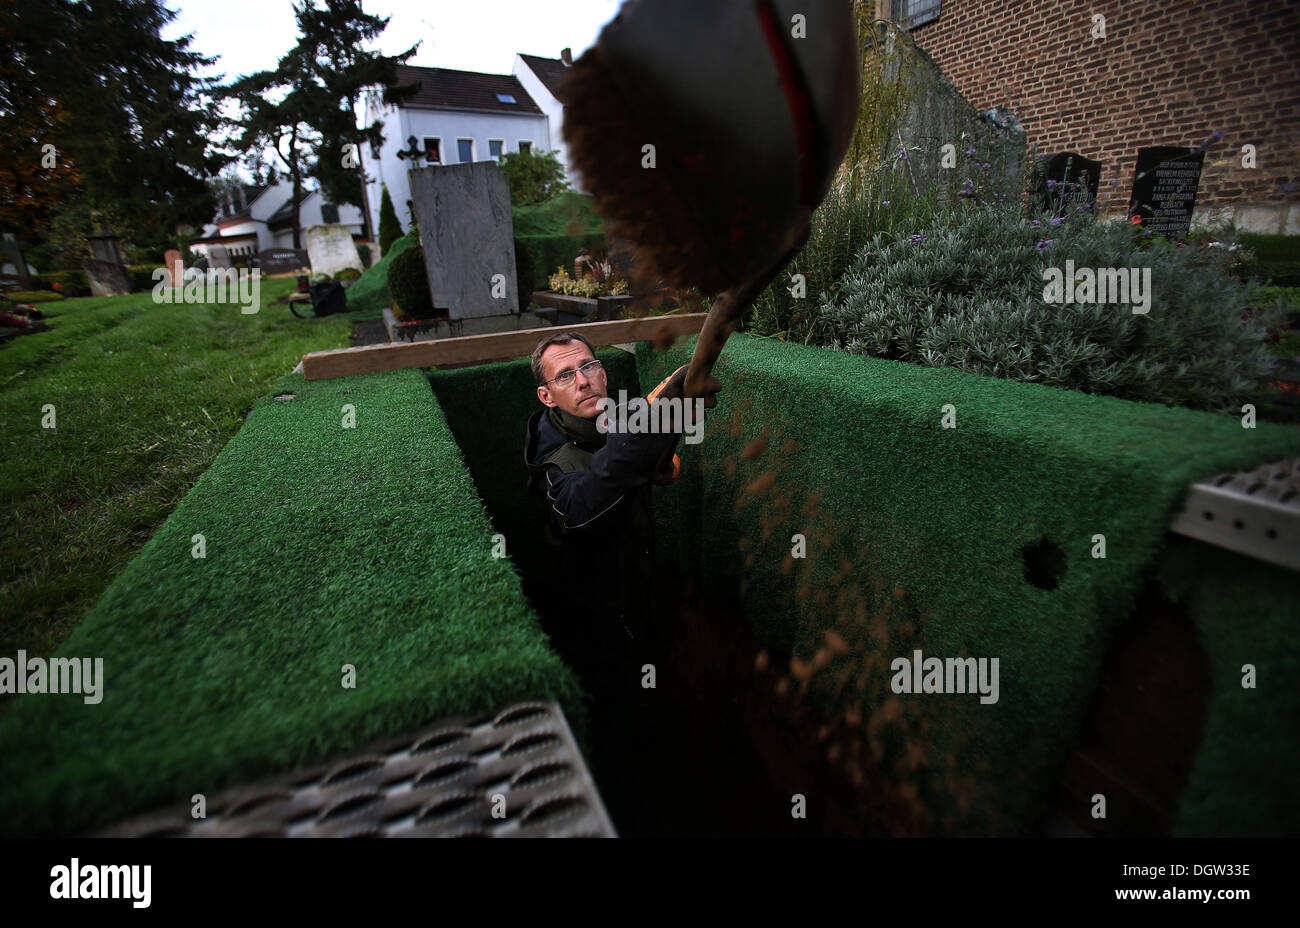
column 1255, row 512
column 444, row 781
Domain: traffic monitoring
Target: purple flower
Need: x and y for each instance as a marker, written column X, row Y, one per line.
column 886, row 203
column 917, row 238
column 1043, row 243
column 1051, row 184
column 1056, row 221
column 970, row 151
column 986, row 165
column 1035, row 222
column 1083, row 208
column 902, row 153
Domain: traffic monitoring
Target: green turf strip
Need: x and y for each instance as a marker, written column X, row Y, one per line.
column 325, row 546
column 914, row 536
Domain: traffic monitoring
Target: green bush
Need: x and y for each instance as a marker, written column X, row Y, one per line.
column 970, row 293
column 1276, row 258
column 533, row 176
column 142, row 277
column 33, row 296
column 74, row 283
column 551, row 251
column 408, row 285
column 525, row 274
column 566, row 214
column 366, row 257
column 390, row 230
column 348, row 273
column 370, row 292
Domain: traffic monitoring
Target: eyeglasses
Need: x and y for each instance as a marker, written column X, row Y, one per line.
column 564, row 378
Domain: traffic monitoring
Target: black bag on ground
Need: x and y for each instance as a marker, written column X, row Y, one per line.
column 327, row 297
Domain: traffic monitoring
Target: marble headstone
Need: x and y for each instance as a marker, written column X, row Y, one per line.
column 1164, row 189
column 283, row 260
column 218, row 257
column 467, row 233
column 330, row 249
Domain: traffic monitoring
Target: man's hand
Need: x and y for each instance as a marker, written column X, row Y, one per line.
column 673, row 386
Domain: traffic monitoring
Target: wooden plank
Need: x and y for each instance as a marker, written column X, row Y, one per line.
column 479, row 349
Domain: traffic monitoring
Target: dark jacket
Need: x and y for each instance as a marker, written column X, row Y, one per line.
column 594, row 493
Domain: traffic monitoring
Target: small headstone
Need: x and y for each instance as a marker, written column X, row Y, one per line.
column 330, row 249
column 283, row 260
column 19, row 262
column 466, row 230
column 175, row 268
column 105, row 272
column 219, row 257
column 1164, row 189
column 1064, row 182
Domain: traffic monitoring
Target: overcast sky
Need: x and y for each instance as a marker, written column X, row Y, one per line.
column 467, row 35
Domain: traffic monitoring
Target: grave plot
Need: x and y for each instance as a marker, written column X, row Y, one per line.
column 884, row 610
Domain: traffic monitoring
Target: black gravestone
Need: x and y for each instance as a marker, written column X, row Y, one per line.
column 1164, row 189
column 282, row 260
column 1065, row 182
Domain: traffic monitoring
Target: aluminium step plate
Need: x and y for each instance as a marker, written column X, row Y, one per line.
column 515, row 773
column 1254, row 512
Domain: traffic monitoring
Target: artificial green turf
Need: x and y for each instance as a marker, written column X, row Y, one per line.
column 914, row 538
column 325, row 546
column 1246, row 612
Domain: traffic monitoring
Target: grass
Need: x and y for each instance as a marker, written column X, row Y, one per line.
column 326, row 546
column 145, row 397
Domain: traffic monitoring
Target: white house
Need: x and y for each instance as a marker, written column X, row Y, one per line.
column 461, row 116
column 253, row 219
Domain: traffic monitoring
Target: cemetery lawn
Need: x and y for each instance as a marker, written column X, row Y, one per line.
column 144, row 396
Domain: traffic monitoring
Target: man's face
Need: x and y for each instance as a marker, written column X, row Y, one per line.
column 579, row 397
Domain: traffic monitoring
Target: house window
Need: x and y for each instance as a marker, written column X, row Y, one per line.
column 329, row 213
column 494, row 148
column 912, row 13
column 505, row 98
column 525, row 147
column 433, row 150
column 465, row 148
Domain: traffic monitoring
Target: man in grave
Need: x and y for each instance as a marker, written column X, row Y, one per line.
column 591, row 465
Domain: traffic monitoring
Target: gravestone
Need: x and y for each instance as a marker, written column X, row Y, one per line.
column 1164, row 189
column 330, row 249
column 19, row 262
column 175, row 268
column 105, row 272
column 467, row 233
column 283, row 260
column 218, row 257
column 1064, row 182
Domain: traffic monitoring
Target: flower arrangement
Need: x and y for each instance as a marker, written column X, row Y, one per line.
column 599, row 280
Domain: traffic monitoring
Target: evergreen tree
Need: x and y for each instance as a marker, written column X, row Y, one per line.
column 128, row 120
column 390, row 230
column 319, row 82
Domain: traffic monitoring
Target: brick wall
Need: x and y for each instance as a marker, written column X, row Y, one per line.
column 1169, row 72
